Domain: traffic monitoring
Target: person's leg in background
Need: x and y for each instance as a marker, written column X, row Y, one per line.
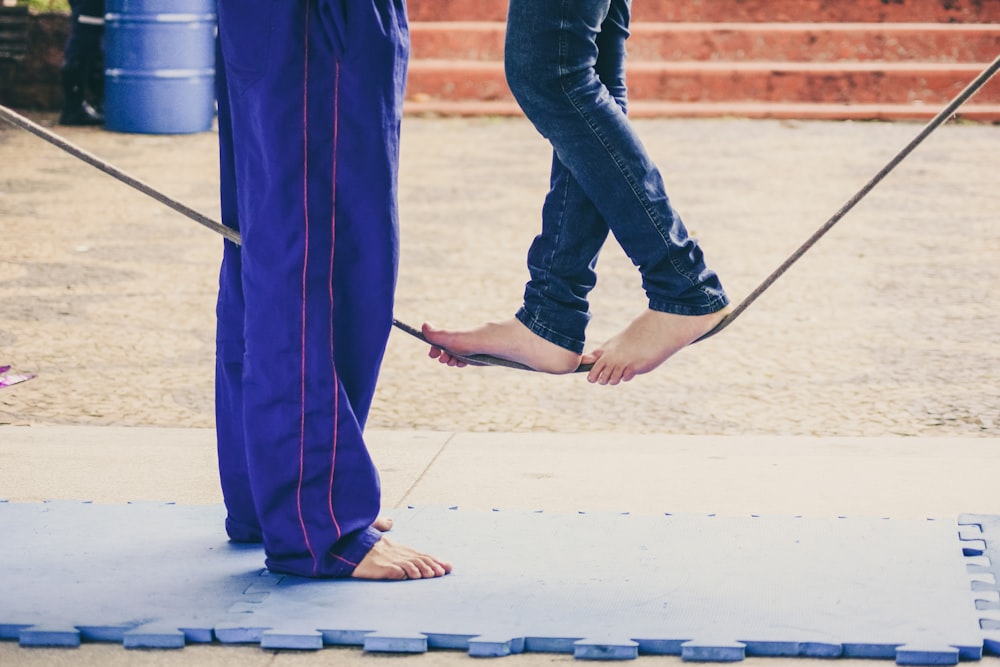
column 82, row 73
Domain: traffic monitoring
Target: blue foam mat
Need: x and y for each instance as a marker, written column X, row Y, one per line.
column 598, row 586
column 146, row 575
column 612, row 586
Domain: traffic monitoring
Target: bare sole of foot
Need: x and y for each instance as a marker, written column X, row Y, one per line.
column 388, row 561
column 383, row 524
column 645, row 343
column 508, row 340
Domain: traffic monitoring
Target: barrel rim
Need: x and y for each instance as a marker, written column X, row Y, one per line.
column 159, row 17
column 119, row 73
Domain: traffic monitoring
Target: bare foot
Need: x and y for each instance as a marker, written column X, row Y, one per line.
column 383, row 524
column 390, row 561
column 509, row 340
column 647, row 342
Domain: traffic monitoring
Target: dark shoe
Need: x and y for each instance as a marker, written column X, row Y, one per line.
column 76, row 109
column 81, row 114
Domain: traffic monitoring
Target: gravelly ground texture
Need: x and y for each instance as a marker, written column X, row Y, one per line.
column 889, row 326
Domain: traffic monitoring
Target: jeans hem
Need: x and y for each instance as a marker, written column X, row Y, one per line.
column 535, row 326
column 715, row 305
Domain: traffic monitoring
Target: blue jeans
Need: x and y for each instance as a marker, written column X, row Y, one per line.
column 565, row 64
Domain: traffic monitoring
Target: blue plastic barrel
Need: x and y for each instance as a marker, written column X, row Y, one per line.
column 159, row 57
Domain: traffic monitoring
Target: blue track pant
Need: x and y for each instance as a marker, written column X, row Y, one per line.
column 310, row 97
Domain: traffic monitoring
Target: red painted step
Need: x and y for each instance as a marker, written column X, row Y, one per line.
column 640, row 109
column 823, row 42
column 800, row 11
column 751, row 58
column 825, row 83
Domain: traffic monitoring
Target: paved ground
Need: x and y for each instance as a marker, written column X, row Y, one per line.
column 886, row 327
column 885, row 330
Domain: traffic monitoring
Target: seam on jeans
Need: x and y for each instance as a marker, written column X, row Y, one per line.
column 562, row 225
column 549, row 257
column 650, row 215
column 305, row 267
column 333, row 247
column 562, row 40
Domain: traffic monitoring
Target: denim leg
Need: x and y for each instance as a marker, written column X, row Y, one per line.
column 558, row 58
column 561, row 263
column 562, row 258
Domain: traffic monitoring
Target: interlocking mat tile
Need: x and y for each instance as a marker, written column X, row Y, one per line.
column 613, row 586
column 146, row 575
column 598, row 586
column 982, row 541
